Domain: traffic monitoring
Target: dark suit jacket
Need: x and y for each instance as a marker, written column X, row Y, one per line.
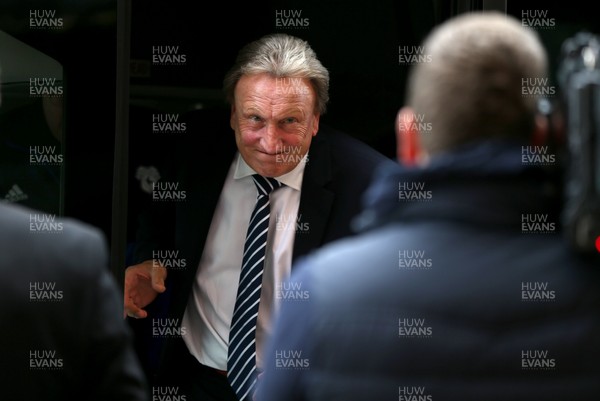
column 337, row 173
column 63, row 335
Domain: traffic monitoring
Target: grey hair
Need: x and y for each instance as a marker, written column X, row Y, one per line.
column 280, row 55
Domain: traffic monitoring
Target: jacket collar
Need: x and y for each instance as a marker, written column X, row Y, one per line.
column 485, row 183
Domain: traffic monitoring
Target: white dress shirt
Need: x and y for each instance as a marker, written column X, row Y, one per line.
column 209, row 311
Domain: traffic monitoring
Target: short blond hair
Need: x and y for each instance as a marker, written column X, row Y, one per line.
column 472, row 86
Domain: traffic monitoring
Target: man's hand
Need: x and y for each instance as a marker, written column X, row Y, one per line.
column 143, row 283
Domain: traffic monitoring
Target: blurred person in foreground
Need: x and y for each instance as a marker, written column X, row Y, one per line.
column 460, row 285
column 63, row 336
column 218, row 306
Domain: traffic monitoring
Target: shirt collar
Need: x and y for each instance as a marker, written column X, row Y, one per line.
column 292, row 179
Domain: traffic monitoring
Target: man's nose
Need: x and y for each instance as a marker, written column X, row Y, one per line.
column 271, row 141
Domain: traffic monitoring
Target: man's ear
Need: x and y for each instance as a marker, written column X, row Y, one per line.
column 315, row 127
column 232, row 117
column 541, row 131
column 408, row 147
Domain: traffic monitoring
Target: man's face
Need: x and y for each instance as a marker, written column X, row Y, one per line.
column 274, row 120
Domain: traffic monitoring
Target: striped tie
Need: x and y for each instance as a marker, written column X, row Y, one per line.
column 241, row 361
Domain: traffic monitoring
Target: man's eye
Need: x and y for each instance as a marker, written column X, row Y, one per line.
column 255, row 119
column 289, row 120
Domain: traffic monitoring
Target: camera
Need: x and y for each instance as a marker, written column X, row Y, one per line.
column 579, row 80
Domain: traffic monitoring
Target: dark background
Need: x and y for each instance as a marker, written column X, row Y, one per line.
column 356, row 40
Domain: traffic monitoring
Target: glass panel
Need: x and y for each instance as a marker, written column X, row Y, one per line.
column 31, row 126
column 57, row 116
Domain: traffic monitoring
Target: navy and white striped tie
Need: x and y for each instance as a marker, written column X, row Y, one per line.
column 241, row 359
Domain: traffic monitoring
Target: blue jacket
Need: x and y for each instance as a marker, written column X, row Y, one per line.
column 460, row 287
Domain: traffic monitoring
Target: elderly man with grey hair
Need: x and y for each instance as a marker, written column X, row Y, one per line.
column 282, row 186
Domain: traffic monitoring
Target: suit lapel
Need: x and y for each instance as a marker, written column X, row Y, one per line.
column 316, row 200
column 204, row 182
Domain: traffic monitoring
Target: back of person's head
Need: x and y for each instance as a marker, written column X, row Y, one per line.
column 472, row 88
column 280, row 55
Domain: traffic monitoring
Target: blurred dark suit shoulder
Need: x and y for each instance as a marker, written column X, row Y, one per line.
column 63, row 333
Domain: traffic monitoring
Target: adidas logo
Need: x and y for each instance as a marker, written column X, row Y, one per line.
column 15, row 194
